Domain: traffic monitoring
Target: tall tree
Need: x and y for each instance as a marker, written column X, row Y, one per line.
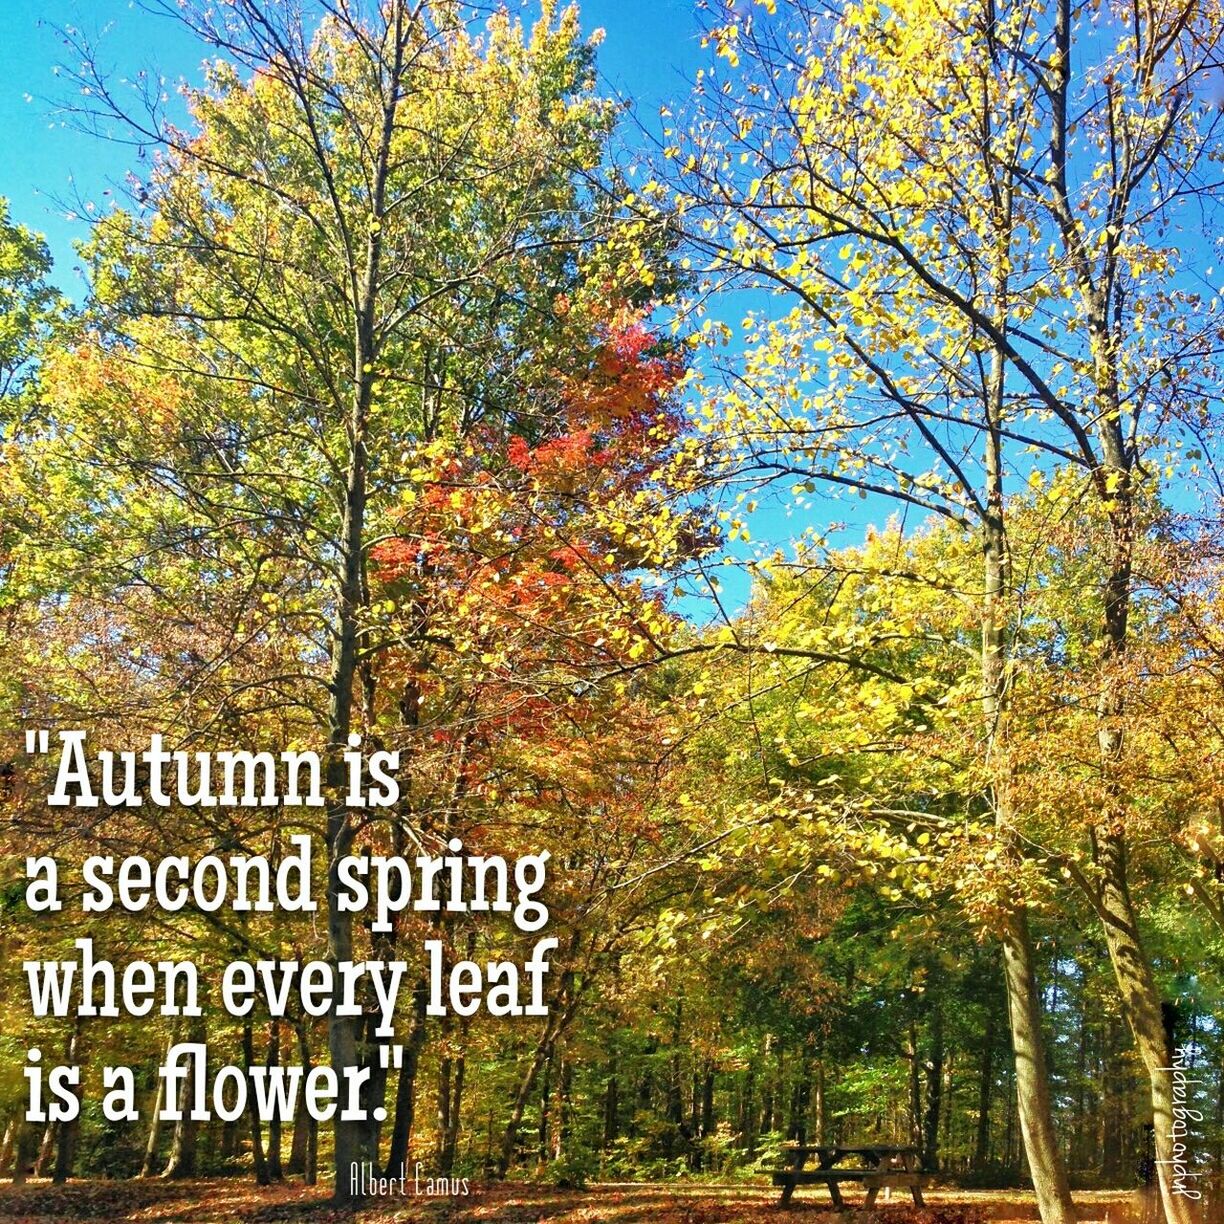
column 924, row 186
column 340, row 265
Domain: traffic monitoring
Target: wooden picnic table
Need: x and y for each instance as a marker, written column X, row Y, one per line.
column 881, row 1165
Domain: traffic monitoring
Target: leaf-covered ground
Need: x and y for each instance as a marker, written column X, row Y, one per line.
column 238, row 1201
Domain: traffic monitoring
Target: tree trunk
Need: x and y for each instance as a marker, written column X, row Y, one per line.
column 7, row 1145
column 675, row 1105
column 769, row 1094
column 302, row 1121
column 1009, row 1128
column 1141, row 1002
column 934, row 1068
column 450, row 1083
column 257, row 1148
column 545, row 1099
column 301, row 1138
column 182, row 1159
column 694, row 1120
column 275, row 1123
column 1046, row 1168
column 949, row 1111
column 376, row 1063
column 521, row 1096
column 1080, row 1129
column 350, row 1136
column 611, row 1108
column 707, row 1101
column 800, row 1100
column 748, row 1115
column 353, row 1138
column 1141, row 1005
column 66, row 1138
column 564, row 1106
column 819, row 1125
column 159, row 1100
column 46, row 1148
column 981, row 1146
column 405, row 1090
column 915, row 1088
column 558, row 1018
column 26, row 1153
column 1113, row 1098
column 450, row 1143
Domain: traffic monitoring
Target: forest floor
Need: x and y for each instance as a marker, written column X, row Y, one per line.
column 239, row 1201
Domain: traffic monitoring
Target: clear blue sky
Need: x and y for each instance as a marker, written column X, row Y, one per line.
column 649, row 52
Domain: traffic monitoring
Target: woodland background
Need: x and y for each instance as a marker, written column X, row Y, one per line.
column 799, row 512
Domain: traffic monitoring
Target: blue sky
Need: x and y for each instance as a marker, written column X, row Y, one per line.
column 649, row 52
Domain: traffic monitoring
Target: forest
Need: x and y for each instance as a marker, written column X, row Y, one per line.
column 798, row 513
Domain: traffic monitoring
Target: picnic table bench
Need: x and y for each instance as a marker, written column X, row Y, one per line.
column 881, row 1166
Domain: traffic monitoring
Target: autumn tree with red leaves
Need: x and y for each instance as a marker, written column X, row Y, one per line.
column 349, row 440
